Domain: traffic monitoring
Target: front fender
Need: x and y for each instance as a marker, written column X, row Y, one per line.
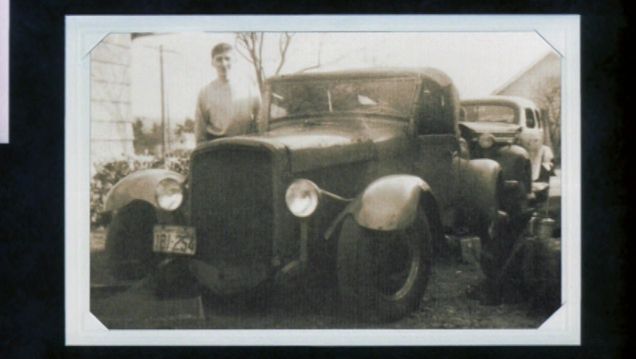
column 481, row 182
column 389, row 203
column 138, row 186
column 515, row 164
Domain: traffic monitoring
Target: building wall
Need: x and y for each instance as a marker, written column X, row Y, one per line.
column 111, row 122
column 530, row 82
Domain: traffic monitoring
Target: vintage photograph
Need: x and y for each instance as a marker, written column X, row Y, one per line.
column 324, row 180
column 338, row 181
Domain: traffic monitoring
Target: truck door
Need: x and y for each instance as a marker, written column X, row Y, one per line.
column 434, row 164
column 437, row 145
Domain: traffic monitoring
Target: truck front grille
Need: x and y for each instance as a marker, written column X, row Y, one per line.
column 232, row 205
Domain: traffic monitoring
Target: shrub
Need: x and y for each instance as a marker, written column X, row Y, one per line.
column 108, row 173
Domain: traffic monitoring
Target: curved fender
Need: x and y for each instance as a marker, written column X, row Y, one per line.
column 138, row 186
column 480, row 182
column 515, row 164
column 389, row 203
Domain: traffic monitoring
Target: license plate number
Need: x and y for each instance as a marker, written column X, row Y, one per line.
column 174, row 239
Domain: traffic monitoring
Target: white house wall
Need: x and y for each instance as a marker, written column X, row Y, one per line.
column 111, row 122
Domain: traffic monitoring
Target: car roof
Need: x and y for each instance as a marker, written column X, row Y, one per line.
column 375, row 72
column 500, row 99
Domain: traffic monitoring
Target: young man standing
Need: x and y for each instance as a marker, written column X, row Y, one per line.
column 227, row 106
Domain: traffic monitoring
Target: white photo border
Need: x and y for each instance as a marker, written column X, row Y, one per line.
column 4, row 72
column 83, row 32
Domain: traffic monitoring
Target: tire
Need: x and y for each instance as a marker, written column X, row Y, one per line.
column 372, row 284
column 129, row 242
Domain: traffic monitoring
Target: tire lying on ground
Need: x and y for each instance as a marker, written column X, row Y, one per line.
column 382, row 275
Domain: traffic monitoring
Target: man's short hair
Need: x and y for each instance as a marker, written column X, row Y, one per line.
column 221, row 48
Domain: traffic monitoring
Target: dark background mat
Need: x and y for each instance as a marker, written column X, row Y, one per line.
column 32, row 175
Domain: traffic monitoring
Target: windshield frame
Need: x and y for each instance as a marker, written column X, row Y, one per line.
column 404, row 117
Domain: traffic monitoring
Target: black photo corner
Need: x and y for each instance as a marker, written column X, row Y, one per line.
column 32, row 177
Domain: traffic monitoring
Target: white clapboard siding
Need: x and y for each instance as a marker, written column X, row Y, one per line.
column 111, row 121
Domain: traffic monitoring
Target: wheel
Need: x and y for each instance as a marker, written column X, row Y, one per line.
column 382, row 275
column 129, row 242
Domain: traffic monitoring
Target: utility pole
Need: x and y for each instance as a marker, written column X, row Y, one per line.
column 165, row 122
column 163, row 106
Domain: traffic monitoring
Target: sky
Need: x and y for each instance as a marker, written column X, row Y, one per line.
column 478, row 62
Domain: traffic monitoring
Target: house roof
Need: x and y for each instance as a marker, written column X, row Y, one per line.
column 520, row 74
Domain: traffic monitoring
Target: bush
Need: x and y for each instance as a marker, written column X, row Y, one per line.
column 108, row 173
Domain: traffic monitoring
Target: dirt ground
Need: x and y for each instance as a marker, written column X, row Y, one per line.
column 304, row 303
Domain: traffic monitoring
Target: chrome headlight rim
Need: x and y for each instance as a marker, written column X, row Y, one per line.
column 169, row 194
column 302, row 197
column 486, row 141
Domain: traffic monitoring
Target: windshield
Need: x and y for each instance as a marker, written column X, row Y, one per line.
column 391, row 97
column 488, row 113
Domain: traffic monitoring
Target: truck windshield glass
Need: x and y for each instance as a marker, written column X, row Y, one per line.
column 390, row 97
column 489, row 113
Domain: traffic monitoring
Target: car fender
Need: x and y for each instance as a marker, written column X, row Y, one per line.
column 405, row 209
column 139, row 185
column 391, row 202
column 515, row 164
column 481, row 182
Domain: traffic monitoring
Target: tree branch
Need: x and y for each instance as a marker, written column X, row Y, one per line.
column 241, row 45
column 260, row 49
column 283, row 45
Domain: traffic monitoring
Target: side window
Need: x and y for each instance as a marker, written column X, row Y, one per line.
column 530, row 121
column 434, row 113
column 537, row 115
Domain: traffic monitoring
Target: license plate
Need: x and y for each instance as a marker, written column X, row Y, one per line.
column 174, row 239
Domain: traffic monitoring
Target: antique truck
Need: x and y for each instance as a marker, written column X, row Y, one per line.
column 357, row 172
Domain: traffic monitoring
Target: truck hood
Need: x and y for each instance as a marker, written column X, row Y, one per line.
column 329, row 142
column 501, row 131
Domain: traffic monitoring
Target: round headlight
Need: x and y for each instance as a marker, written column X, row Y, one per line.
column 486, row 140
column 169, row 194
column 302, row 197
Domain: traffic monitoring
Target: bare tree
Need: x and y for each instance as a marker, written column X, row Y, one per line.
column 548, row 97
column 250, row 46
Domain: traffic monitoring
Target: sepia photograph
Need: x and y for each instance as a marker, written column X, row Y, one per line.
column 322, row 177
